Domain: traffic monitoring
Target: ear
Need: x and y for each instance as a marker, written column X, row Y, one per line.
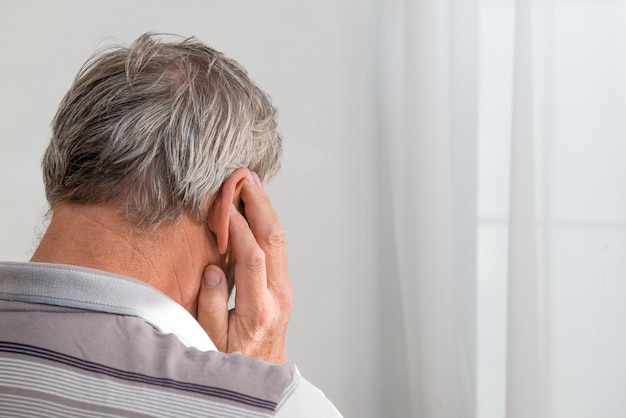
column 219, row 218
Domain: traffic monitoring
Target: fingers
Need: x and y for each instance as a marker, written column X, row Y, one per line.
column 213, row 306
column 265, row 226
column 257, row 326
column 250, row 267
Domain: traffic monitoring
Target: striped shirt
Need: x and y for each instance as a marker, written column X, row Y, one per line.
column 78, row 342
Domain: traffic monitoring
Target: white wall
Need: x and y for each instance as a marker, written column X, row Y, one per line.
column 317, row 60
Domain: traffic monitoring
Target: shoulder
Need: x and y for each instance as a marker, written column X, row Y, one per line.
column 306, row 401
column 104, row 355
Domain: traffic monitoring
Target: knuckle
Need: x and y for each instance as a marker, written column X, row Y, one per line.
column 256, row 259
column 286, row 303
column 277, row 237
column 263, row 316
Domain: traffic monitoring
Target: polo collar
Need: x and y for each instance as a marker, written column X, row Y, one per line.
column 96, row 290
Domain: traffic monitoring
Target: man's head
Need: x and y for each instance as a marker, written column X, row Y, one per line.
column 156, row 129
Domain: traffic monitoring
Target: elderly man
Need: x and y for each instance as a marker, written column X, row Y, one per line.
column 154, row 177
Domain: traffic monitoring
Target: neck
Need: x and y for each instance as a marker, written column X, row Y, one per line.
column 170, row 258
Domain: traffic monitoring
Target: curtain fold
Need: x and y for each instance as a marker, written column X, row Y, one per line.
column 428, row 93
column 527, row 362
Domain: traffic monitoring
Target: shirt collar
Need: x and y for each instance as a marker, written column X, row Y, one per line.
column 84, row 288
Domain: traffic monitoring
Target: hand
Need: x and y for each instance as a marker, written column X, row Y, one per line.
column 257, row 325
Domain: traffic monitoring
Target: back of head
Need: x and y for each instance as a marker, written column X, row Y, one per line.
column 155, row 128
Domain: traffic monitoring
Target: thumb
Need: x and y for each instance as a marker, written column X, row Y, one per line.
column 213, row 306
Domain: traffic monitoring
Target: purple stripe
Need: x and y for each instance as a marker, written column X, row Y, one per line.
column 82, row 364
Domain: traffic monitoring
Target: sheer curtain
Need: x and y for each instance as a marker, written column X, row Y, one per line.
column 429, row 92
column 502, row 144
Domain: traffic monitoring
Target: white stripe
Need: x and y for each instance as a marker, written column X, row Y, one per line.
column 148, row 406
column 61, row 385
column 141, row 404
column 68, row 384
column 24, row 406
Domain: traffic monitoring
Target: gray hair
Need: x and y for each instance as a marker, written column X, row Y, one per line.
column 156, row 128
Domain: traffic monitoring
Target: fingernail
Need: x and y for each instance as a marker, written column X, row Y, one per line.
column 250, row 178
column 233, row 209
column 212, row 277
column 257, row 180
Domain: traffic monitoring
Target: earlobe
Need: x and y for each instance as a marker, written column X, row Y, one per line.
column 224, row 200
